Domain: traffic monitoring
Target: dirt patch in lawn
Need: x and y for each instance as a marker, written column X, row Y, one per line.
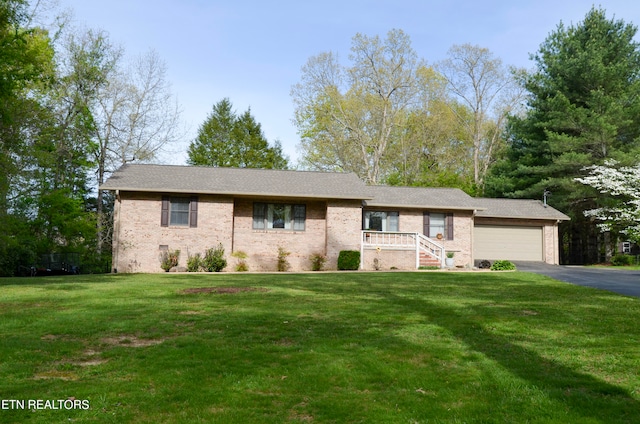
column 130, row 341
column 223, row 290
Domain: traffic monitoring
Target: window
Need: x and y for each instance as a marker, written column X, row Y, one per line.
column 279, row 216
column 381, row 221
column 179, row 211
column 438, row 225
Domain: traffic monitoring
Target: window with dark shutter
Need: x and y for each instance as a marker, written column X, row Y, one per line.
column 179, row 211
column 438, row 225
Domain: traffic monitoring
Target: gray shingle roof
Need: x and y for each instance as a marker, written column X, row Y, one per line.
column 517, row 208
column 322, row 185
column 421, row 197
column 249, row 182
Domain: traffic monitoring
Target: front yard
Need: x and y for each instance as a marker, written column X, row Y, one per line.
column 324, row 347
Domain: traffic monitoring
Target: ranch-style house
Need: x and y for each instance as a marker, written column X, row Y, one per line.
column 192, row 209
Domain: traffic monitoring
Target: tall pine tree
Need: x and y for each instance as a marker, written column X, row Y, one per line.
column 228, row 140
column 583, row 108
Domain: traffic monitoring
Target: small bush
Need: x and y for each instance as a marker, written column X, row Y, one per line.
column 194, row 263
column 622, row 260
column 317, row 261
column 214, row 260
column 349, row 260
column 503, row 266
column 169, row 259
column 241, row 265
column 283, row 262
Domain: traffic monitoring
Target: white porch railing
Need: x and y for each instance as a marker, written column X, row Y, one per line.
column 393, row 240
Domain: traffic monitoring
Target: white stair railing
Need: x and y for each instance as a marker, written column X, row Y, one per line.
column 390, row 240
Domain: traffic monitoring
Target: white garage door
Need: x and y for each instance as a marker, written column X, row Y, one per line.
column 507, row 242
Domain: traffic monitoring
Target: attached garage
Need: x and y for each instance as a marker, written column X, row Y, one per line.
column 516, row 230
column 515, row 243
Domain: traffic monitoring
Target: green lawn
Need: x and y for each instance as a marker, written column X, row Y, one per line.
column 424, row 347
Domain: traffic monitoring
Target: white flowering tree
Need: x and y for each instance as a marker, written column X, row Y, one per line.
column 622, row 183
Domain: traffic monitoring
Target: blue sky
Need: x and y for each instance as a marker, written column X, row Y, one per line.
column 252, row 51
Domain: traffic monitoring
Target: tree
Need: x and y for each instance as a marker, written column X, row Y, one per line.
column 490, row 91
column 621, row 184
column 228, row 140
column 26, row 68
column 135, row 117
column 583, row 108
column 432, row 148
column 349, row 117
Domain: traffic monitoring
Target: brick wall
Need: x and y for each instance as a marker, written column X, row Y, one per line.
column 138, row 235
column 261, row 246
column 344, row 226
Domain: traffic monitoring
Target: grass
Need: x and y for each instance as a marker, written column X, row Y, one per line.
column 615, row 268
column 319, row 347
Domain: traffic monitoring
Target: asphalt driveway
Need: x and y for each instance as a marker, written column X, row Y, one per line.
column 615, row 280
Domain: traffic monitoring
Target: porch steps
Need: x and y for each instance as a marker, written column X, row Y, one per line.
column 427, row 260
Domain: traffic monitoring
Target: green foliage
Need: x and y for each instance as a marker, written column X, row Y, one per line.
column 583, row 109
column 317, row 261
column 451, row 254
column 503, row 265
column 623, row 260
column 169, row 259
column 214, row 260
column 283, row 263
column 241, row 264
column 349, row 260
column 226, row 139
column 194, row 263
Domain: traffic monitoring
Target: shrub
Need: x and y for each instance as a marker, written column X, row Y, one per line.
column 349, row 260
column 283, row 263
column 317, row 261
column 241, row 265
column 194, row 263
column 622, row 260
column 503, row 266
column 214, row 260
column 169, row 259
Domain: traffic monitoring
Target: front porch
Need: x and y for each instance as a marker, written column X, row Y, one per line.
column 399, row 250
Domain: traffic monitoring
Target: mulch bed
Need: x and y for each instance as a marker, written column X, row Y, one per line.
column 223, row 290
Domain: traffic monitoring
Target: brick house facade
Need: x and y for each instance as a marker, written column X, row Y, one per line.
column 306, row 213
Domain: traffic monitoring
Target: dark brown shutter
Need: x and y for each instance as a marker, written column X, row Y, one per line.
column 449, row 224
column 164, row 215
column 193, row 212
column 425, row 224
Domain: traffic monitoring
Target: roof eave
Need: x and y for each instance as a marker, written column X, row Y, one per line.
column 539, row 218
column 426, row 206
column 235, row 193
